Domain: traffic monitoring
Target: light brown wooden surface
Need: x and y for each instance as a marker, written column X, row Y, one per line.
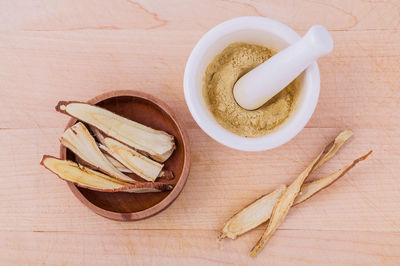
column 75, row 50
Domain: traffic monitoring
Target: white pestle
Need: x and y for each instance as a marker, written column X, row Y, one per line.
column 266, row 80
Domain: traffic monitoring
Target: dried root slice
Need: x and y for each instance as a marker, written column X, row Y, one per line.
column 309, row 189
column 260, row 210
column 335, row 146
column 100, row 137
column 131, row 159
column 252, row 216
column 117, row 164
column 287, row 198
column 78, row 139
column 282, row 207
column 165, row 174
column 93, row 180
column 159, row 145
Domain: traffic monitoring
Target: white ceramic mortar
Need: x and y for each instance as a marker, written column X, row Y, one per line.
column 253, row 30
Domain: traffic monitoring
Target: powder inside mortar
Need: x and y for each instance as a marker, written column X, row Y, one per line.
column 221, row 75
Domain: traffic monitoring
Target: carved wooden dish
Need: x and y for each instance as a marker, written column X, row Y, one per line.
column 148, row 110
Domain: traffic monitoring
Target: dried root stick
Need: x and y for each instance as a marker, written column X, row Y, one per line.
column 166, row 174
column 117, row 164
column 311, row 188
column 139, row 164
column 78, row 139
column 335, row 146
column 282, row 207
column 93, row 180
column 251, row 216
column 287, row 198
column 158, row 144
column 131, row 159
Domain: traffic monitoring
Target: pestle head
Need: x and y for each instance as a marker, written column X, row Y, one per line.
column 320, row 39
column 266, row 80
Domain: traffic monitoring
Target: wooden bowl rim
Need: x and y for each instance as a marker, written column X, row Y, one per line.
column 131, row 216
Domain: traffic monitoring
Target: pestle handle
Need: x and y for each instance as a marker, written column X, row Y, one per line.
column 266, row 80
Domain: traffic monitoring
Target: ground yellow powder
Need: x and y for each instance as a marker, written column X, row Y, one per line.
column 221, row 75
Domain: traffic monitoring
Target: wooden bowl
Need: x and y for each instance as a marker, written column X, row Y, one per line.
column 148, row 110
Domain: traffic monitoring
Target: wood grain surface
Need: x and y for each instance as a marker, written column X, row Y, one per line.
column 75, row 50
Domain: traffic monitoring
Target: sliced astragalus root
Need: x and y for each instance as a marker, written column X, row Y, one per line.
column 282, row 207
column 158, row 144
column 285, row 202
column 260, row 210
column 117, row 164
column 311, row 188
column 93, row 180
column 335, row 146
column 136, row 162
column 78, row 139
column 131, row 159
column 165, row 174
column 251, row 216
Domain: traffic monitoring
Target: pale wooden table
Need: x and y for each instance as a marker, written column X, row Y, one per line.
column 75, row 50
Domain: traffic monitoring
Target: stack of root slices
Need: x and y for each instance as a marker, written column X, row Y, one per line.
column 274, row 207
column 109, row 150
